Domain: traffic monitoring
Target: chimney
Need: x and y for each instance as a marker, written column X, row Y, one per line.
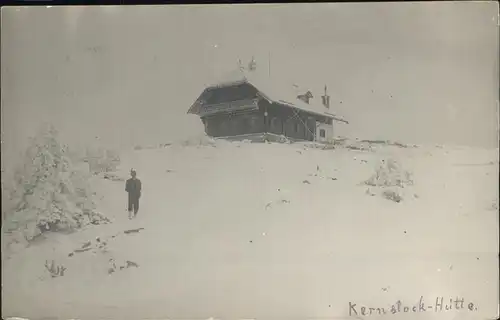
column 326, row 99
column 252, row 65
column 306, row 97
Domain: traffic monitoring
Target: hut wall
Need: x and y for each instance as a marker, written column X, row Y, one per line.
column 289, row 122
column 280, row 120
column 324, row 132
column 223, row 125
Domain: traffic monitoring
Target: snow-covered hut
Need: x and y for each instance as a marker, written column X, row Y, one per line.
column 246, row 103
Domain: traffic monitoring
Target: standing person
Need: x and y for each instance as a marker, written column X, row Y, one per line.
column 133, row 187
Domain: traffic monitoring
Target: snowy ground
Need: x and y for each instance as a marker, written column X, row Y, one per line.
column 268, row 231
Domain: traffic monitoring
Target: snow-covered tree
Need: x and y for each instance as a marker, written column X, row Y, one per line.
column 101, row 159
column 49, row 194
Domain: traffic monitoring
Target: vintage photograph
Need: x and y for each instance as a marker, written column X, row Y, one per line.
column 257, row 161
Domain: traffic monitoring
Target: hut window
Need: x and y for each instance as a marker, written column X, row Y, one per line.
column 296, row 127
column 322, row 133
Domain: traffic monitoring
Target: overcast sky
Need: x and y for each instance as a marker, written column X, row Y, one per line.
column 126, row 74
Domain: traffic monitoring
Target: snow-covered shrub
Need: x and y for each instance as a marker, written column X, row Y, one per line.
column 392, row 178
column 55, row 270
column 282, row 139
column 339, row 141
column 390, row 174
column 48, row 193
column 357, row 145
column 387, row 143
column 140, row 147
column 393, row 195
column 113, row 177
column 101, row 159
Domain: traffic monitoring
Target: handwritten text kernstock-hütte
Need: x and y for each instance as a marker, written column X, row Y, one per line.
column 439, row 304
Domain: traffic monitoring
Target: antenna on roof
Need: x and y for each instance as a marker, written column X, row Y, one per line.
column 252, row 65
column 326, row 98
column 269, row 60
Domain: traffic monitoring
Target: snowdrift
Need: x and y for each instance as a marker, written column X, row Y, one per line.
column 201, row 139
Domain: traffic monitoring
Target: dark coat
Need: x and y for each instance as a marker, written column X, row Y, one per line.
column 133, row 187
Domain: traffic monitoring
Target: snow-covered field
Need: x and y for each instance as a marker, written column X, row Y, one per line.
column 267, row 231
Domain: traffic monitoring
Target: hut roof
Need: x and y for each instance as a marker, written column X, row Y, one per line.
column 273, row 91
